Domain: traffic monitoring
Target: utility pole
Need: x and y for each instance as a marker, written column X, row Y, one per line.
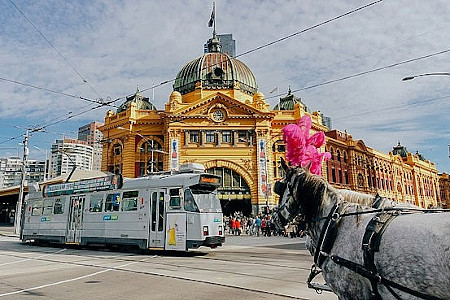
column 18, row 216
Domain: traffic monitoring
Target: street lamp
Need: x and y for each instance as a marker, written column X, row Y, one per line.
column 426, row 74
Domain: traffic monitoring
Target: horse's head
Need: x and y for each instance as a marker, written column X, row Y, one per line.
column 301, row 193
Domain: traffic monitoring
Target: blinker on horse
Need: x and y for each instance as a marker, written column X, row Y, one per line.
column 393, row 252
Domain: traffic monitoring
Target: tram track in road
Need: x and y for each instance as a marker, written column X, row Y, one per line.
column 128, row 259
column 120, row 258
column 262, row 256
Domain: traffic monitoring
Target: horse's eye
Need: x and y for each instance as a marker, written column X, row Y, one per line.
column 279, row 188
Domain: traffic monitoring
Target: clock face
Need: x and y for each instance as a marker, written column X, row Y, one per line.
column 218, row 115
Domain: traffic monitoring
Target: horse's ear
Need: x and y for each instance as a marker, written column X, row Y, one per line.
column 284, row 165
column 307, row 167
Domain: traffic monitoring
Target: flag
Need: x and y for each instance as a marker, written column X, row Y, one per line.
column 274, row 90
column 211, row 21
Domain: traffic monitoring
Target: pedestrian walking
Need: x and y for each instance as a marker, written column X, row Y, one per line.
column 257, row 225
column 238, row 227
column 233, row 225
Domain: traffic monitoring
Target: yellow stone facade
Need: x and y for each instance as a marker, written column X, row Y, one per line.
column 127, row 132
column 403, row 177
column 221, row 121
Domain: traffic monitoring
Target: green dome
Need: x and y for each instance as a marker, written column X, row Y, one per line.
column 400, row 150
column 288, row 102
column 141, row 102
column 215, row 70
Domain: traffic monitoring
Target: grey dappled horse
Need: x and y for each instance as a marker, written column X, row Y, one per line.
column 367, row 253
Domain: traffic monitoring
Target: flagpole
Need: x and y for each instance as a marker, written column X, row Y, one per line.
column 214, row 20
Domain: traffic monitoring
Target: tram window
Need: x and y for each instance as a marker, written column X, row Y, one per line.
column 37, row 208
column 58, row 208
column 112, row 202
column 129, row 201
column 154, row 200
column 161, row 212
column 189, row 203
column 96, row 203
column 48, row 207
column 175, row 200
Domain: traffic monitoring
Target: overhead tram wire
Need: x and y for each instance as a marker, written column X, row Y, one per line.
column 362, row 55
column 109, row 103
column 279, row 40
column 56, row 92
column 54, row 48
column 309, row 28
column 363, row 73
column 393, row 107
column 242, row 54
column 42, row 127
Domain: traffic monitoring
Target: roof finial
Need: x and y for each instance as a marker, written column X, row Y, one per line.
column 137, row 89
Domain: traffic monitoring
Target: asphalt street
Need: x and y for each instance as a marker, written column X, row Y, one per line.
column 245, row 267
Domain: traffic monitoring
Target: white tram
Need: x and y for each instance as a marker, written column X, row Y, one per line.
column 164, row 211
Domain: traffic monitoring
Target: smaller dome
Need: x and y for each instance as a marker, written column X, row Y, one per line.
column 288, row 102
column 141, row 102
column 175, row 96
column 400, row 150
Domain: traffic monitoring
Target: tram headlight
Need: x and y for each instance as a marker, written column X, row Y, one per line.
column 220, row 229
column 205, row 230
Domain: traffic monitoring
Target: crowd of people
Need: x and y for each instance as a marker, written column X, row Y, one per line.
column 260, row 225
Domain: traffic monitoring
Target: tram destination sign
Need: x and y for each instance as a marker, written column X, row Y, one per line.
column 109, row 182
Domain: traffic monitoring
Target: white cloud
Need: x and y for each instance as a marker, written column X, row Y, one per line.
column 117, row 45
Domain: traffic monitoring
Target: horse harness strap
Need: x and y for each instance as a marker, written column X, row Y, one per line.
column 361, row 270
column 327, row 236
column 370, row 245
column 324, row 244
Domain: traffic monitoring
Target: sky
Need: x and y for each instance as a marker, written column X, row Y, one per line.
column 59, row 57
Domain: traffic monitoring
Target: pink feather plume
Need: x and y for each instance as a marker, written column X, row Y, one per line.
column 302, row 149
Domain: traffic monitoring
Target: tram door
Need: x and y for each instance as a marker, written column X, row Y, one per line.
column 75, row 223
column 157, row 219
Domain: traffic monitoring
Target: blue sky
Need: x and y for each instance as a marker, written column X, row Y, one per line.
column 116, row 46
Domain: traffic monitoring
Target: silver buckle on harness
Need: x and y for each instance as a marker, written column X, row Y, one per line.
column 335, row 216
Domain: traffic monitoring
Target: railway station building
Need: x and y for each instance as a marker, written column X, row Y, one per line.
column 216, row 116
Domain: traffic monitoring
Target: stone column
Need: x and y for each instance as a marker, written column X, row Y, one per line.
column 200, row 136
column 128, row 156
column 219, row 137
column 186, row 138
column 234, row 137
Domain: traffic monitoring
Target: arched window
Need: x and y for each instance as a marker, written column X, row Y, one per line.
column 151, row 157
column 114, row 158
column 360, row 180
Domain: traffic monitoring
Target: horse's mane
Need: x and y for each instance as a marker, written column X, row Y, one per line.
column 356, row 197
column 312, row 193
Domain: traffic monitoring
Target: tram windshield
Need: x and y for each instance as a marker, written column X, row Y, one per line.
column 206, row 201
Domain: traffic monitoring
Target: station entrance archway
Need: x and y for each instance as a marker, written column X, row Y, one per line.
column 234, row 194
